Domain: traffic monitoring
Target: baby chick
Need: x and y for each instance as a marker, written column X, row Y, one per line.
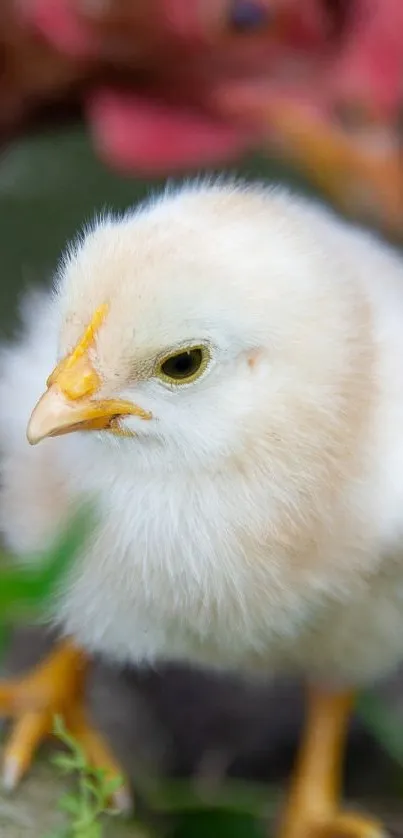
column 228, row 386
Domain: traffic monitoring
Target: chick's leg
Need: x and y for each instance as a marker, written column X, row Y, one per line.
column 54, row 687
column 313, row 805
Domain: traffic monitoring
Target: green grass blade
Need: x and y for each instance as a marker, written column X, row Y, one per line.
column 35, row 582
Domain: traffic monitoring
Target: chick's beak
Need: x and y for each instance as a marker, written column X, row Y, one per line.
column 69, row 402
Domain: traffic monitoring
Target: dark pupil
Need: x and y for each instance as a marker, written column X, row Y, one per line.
column 183, row 365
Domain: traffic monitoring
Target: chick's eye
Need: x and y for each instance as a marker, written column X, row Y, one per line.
column 185, row 366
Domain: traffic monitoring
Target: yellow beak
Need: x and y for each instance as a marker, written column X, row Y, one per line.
column 68, row 403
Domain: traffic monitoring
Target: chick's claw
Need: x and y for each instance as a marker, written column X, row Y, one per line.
column 33, row 700
column 98, row 754
column 349, row 825
column 337, row 825
column 26, row 736
column 54, row 688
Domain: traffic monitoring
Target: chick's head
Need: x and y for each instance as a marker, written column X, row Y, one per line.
column 190, row 325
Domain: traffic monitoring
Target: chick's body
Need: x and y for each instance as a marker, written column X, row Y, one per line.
column 256, row 520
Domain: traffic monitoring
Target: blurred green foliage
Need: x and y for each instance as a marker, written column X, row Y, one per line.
column 26, row 591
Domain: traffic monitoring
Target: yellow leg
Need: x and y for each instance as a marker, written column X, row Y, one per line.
column 312, row 809
column 54, row 687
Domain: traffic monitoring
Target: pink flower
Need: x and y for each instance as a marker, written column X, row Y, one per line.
column 178, row 120
column 318, row 82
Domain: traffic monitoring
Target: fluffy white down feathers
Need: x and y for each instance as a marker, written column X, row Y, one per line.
column 257, row 520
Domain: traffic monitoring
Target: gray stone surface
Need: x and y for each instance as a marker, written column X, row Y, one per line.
column 32, row 810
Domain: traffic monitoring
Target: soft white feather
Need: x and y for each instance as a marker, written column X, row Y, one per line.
column 257, row 520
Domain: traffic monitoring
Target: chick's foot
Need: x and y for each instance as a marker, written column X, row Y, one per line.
column 313, row 805
column 342, row 824
column 54, row 688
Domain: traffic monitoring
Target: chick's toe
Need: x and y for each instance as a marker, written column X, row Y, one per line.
column 54, row 688
column 313, row 807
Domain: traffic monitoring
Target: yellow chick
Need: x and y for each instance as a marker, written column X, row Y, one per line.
column 228, row 385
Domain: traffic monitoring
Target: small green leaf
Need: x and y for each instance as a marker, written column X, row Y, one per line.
column 69, row 803
column 64, row 762
column 59, row 728
column 99, row 774
column 112, row 785
column 90, row 785
column 93, row 830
